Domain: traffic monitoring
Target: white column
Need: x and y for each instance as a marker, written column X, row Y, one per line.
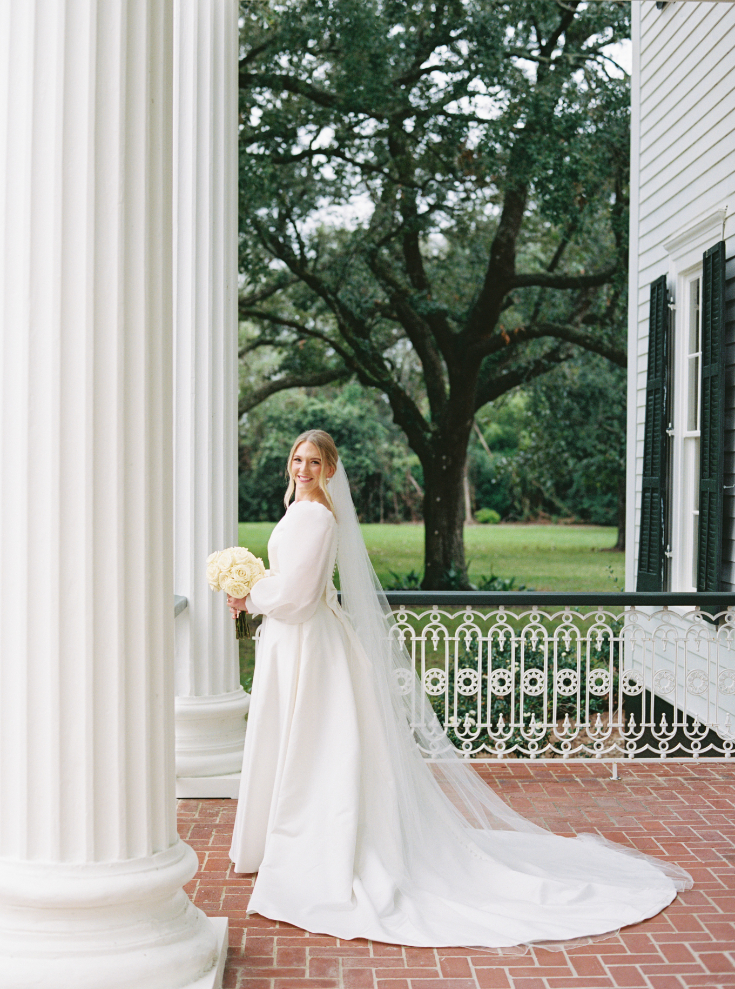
column 91, row 867
column 210, row 703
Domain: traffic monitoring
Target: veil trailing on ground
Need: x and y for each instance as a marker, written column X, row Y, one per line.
column 449, row 794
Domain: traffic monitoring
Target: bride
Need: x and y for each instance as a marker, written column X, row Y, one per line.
column 351, row 831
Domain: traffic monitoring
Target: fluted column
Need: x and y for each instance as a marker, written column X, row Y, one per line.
column 91, row 867
column 210, row 703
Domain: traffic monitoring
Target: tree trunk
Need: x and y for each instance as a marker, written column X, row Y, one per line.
column 444, row 513
column 469, row 518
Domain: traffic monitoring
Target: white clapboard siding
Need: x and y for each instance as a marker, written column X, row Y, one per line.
column 683, row 169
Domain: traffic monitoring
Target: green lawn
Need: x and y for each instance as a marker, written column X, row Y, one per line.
column 545, row 557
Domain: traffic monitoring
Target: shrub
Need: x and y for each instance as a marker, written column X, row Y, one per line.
column 404, row 582
column 495, row 583
column 487, row 516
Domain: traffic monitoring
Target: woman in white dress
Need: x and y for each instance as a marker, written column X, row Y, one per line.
column 351, row 831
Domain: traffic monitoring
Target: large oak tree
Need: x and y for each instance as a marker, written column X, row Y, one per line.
column 433, row 200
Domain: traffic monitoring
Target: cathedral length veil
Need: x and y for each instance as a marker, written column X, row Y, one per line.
column 450, row 794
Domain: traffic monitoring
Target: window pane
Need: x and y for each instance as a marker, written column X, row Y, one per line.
column 693, row 358
column 693, row 399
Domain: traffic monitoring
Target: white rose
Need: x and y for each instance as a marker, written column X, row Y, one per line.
column 235, row 565
column 249, row 570
column 213, row 573
column 226, row 559
column 236, row 589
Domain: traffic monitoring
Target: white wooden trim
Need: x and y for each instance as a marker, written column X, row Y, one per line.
column 696, row 238
column 685, row 249
column 632, row 508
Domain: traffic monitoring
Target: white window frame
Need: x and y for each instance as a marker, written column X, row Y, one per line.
column 685, row 252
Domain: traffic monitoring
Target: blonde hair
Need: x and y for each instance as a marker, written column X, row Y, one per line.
column 328, row 451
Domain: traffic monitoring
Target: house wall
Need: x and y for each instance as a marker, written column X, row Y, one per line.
column 682, row 174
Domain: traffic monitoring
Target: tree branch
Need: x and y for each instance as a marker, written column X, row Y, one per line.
column 499, row 384
column 589, row 341
column 302, row 329
column 362, row 357
column 417, row 332
column 315, row 380
column 498, row 342
column 252, row 345
column 279, row 81
column 261, row 294
column 548, row 279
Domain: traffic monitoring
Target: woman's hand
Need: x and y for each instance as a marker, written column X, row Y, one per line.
column 236, row 605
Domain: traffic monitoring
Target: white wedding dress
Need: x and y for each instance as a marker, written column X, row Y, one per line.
column 353, row 834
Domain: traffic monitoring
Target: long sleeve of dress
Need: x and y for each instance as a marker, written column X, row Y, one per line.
column 292, row 593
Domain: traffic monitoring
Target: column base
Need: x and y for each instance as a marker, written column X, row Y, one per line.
column 210, row 733
column 208, row 787
column 213, row 978
column 113, row 924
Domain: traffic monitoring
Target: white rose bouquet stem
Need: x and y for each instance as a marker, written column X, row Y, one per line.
column 235, row 571
column 242, row 629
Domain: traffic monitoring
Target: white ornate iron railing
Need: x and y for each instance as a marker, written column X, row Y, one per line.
column 575, row 676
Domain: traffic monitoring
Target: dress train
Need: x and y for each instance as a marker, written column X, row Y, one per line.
column 352, row 832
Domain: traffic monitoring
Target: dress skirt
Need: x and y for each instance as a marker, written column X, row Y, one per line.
column 318, row 819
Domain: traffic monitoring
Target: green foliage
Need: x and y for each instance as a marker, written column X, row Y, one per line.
column 377, row 461
column 571, row 459
column 502, row 427
column 487, row 516
column 412, row 582
column 433, row 201
column 495, row 583
column 404, row 582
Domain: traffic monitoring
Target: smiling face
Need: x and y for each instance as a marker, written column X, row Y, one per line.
column 306, row 468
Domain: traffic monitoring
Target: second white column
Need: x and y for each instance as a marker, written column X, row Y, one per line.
column 210, row 703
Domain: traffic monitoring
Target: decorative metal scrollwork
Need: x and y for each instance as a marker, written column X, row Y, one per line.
column 631, row 682
column 697, row 682
column 664, row 681
column 404, row 680
column 435, row 682
column 567, row 682
column 540, row 700
column 467, row 681
column 598, row 682
column 501, row 682
column 726, row 682
column 534, row 682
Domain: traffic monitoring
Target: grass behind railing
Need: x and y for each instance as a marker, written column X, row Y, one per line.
column 545, row 557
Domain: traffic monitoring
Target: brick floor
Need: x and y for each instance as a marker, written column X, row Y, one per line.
column 683, row 812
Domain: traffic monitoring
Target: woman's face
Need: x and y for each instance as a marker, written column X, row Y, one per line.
column 306, row 466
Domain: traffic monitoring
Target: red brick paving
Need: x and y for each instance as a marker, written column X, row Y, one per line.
column 683, row 812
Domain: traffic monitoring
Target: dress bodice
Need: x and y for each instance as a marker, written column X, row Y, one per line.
column 302, row 551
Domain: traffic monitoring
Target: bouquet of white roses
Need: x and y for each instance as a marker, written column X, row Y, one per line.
column 235, row 571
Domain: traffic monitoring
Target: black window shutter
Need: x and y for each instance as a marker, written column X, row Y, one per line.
column 651, row 547
column 712, row 421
